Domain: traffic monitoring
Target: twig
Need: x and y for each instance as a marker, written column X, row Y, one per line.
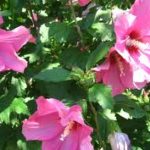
column 97, row 125
column 33, row 20
column 77, row 26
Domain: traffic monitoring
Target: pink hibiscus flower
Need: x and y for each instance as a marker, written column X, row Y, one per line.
column 10, row 43
column 57, row 126
column 132, row 30
column 83, row 2
column 119, row 74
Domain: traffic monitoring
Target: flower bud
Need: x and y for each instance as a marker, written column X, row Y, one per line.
column 119, row 141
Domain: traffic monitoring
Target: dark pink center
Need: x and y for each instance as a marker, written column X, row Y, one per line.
column 72, row 125
column 116, row 59
column 134, row 42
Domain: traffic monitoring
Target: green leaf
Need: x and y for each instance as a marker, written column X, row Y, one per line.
column 102, row 123
column 44, row 31
column 73, row 57
column 129, row 106
column 84, row 106
column 54, row 75
column 96, row 17
column 23, row 145
column 109, row 114
column 136, row 148
column 101, row 94
column 5, row 13
column 20, row 85
column 124, row 114
column 6, row 99
column 103, row 31
column 7, row 138
column 98, row 54
column 16, row 107
column 104, row 15
column 60, row 31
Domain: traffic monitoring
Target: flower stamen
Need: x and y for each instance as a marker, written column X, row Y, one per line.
column 120, row 64
column 67, row 130
column 136, row 44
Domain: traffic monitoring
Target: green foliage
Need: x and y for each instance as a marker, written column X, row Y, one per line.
column 17, row 107
column 53, row 75
column 129, row 108
column 60, row 65
column 98, row 54
column 73, row 57
column 59, row 31
column 102, row 95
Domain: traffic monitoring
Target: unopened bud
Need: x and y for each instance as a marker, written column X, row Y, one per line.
column 119, row 141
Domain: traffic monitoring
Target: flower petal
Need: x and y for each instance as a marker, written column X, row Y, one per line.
column 72, row 142
column 45, row 123
column 123, row 25
column 141, row 9
column 48, row 106
column 86, row 144
column 17, row 37
column 10, row 59
column 42, row 127
column 73, row 114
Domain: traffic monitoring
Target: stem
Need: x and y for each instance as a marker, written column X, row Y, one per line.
column 77, row 26
column 97, row 126
column 33, row 20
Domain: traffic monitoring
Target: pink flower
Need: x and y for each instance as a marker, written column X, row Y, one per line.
column 10, row 43
column 83, row 2
column 119, row 74
column 57, row 126
column 132, row 30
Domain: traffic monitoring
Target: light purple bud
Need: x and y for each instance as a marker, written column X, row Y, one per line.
column 119, row 141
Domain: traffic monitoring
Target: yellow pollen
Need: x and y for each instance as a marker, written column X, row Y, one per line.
column 137, row 44
column 67, row 130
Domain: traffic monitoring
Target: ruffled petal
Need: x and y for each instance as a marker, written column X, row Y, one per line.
column 72, row 142
column 141, row 9
column 73, row 114
column 123, row 25
column 86, row 144
column 42, row 127
column 45, row 123
column 17, row 37
column 48, row 106
column 10, row 59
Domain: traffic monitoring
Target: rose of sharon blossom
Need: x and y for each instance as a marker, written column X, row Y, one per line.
column 119, row 74
column 57, row 126
column 10, row 43
column 83, row 2
column 119, row 141
column 132, row 30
